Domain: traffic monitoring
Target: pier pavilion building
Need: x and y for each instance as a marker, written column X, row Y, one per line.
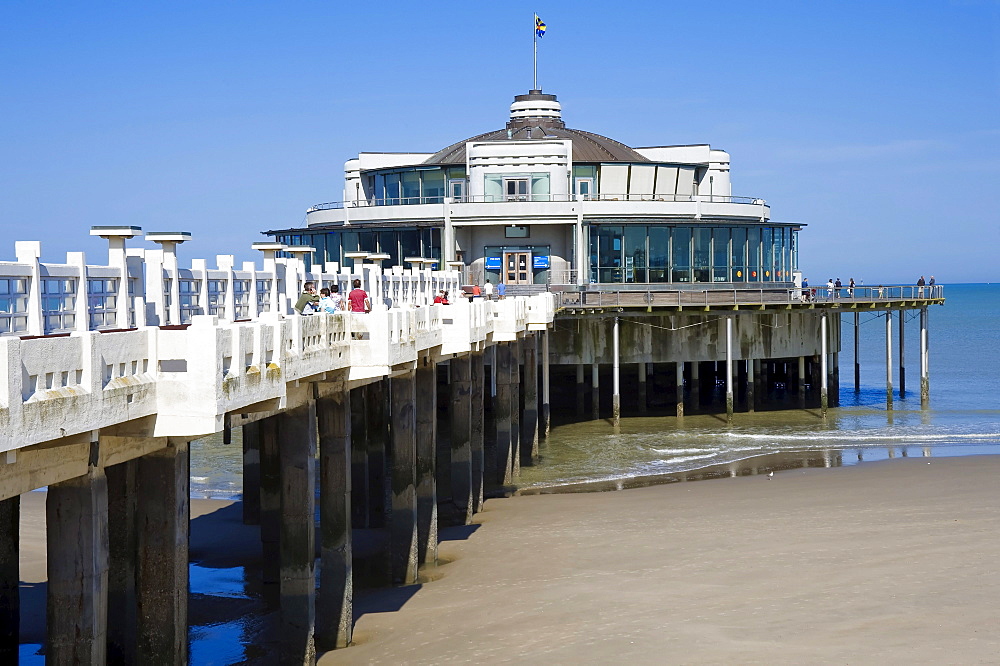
column 537, row 202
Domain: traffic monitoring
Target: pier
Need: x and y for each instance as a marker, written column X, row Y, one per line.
column 113, row 369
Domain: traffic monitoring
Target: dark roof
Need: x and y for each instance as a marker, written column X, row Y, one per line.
column 587, row 147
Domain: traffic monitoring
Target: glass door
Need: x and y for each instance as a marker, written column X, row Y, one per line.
column 515, row 189
column 517, row 268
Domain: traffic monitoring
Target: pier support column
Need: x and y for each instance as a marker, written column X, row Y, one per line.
column 616, row 398
column 857, row 346
column 694, row 391
column 501, row 410
column 925, row 381
column 426, row 488
column 122, row 556
column 679, row 384
column 359, row 459
column 642, row 397
column 403, row 532
column 546, row 423
column 802, row 382
column 297, row 543
column 824, row 376
column 515, row 409
column 888, row 360
column 729, row 369
column 251, row 474
column 461, row 436
column 10, row 578
column 270, row 503
column 377, row 434
column 751, row 394
column 580, row 388
column 595, row 391
column 902, row 367
column 162, row 519
column 477, row 374
column 76, row 514
column 529, row 421
column 334, row 605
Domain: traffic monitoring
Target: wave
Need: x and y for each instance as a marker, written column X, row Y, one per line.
column 857, row 437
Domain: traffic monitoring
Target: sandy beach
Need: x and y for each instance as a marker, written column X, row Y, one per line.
column 891, row 562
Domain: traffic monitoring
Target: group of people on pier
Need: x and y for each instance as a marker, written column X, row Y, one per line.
column 330, row 300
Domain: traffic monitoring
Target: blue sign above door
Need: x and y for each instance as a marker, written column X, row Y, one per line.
column 494, row 263
column 540, row 261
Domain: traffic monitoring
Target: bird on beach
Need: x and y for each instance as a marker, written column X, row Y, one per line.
column 770, row 476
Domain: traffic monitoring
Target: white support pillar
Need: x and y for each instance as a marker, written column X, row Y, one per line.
column 270, row 251
column 824, row 380
column 116, row 237
column 925, row 381
column 888, row 360
column 616, row 399
column 448, row 237
column 902, row 349
column 729, row 369
column 580, row 260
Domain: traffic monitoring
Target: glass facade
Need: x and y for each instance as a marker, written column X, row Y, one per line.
column 410, row 185
column 634, row 253
column 397, row 243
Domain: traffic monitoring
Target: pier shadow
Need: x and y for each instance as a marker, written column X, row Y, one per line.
column 383, row 600
column 457, row 533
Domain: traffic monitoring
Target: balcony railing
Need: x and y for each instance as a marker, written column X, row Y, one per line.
column 606, row 296
column 491, row 198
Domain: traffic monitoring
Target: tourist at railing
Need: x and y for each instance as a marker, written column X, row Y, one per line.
column 850, row 288
column 331, row 300
column 308, row 300
column 358, row 298
column 441, row 298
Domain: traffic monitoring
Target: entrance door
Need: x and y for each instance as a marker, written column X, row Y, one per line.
column 517, row 268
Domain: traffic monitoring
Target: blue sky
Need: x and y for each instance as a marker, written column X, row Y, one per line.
column 875, row 123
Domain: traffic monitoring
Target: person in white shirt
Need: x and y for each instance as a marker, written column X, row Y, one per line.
column 488, row 291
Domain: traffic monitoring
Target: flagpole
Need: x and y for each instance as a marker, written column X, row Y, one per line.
column 534, row 35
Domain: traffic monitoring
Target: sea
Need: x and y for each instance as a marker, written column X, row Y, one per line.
column 962, row 418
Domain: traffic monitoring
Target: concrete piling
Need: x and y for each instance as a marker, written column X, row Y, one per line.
column 162, row 514
column 251, row 474
column 403, row 519
column 616, row 398
column 426, row 463
column 515, row 409
column 546, row 421
column 297, row 545
column 76, row 514
column 270, row 503
column 334, row 604
column 679, row 386
column 122, row 553
column 888, row 360
column 477, row 374
column 460, row 413
column 359, row 459
column 502, row 409
column 925, row 382
column 10, row 595
column 529, row 420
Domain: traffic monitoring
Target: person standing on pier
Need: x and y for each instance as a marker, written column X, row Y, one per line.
column 331, row 300
column 850, row 288
column 501, row 290
column 308, row 300
column 358, row 298
column 839, row 285
column 829, row 289
column 488, row 290
column 920, row 287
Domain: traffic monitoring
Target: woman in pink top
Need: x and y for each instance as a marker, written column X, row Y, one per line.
column 358, row 298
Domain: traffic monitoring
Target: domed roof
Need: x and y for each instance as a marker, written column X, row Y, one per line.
column 538, row 116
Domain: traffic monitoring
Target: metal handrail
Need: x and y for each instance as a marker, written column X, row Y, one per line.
column 533, row 198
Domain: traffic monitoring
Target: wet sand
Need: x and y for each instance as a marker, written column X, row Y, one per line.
column 890, row 562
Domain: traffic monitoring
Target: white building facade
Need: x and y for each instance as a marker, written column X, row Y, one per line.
column 539, row 203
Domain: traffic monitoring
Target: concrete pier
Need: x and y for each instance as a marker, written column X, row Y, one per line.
column 925, row 382
column 546, row 419
column 426, row 462
column 77, row 550
column 529, row 418
column 377, row 436
column 516, row 408
column 251, row 474
column 10, row 595
column 163, row 513
column 642, row 398
column 270, row 504
column 679, row 386
column 888, row 360
column 460, row 415
column 502, row 411
column 334, row 604
column 359, row 458
column 403, row 523
column 123, row 549
column 477, row 428
column 297, row 432
column 616, row 398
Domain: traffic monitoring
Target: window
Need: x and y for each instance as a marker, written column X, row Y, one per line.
column 456, row 190
column 584, row 187
column 58, row 304
column 515, row 189
column 13, row 305
column 101, row 302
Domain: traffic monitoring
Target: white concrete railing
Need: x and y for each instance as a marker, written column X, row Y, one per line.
column 51, row 299
column 188, row 379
